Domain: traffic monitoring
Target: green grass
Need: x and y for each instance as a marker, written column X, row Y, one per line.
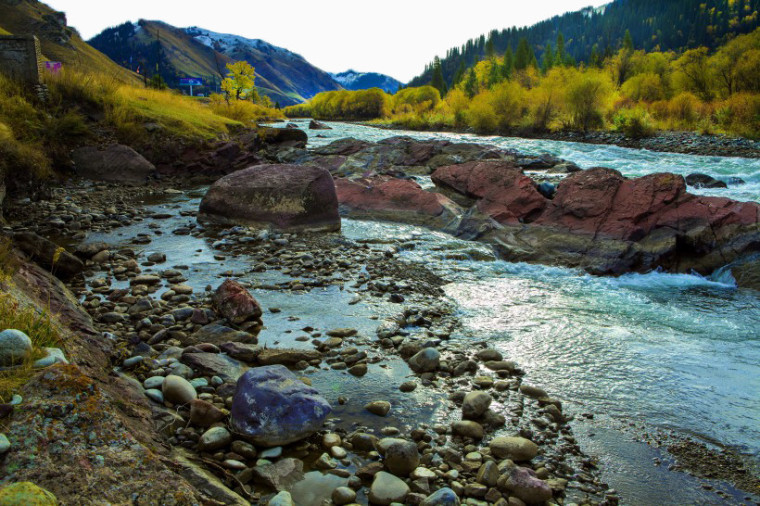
column 39, row 326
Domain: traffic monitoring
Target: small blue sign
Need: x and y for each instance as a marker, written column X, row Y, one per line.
column 190, row 81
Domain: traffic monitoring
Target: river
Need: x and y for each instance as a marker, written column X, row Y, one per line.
column 641, row 352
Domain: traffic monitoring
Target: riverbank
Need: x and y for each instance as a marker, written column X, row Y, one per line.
column 290, row 275
column 689, row 143
column 151, row 282
column 375, row 283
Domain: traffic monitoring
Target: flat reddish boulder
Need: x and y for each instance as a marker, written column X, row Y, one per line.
column 395, row 200
column 286, row 197
column 503, row 191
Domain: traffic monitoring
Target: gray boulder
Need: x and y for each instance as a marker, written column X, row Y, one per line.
column 271, row 407
column 115, row 163
column 286, row 197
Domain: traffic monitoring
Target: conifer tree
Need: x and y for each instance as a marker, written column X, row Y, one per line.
column 509, row 63
column 525, row 56
column 459, row 73
column 561, row 58
column 437, row 81
column 547, row 61
column 471, row 84
column 628, row 41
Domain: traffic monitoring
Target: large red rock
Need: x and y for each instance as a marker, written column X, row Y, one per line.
column 602, row 222
column 235, row 303
column 394, row 199
column 503, row 191
column 287, row 197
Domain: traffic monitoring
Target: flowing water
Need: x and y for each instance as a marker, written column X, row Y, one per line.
column 641, row 352
column 658, row 351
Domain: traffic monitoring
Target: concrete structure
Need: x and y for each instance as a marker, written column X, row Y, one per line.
column 20, row 58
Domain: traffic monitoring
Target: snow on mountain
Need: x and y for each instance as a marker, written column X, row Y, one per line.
column 353, row 80
column 226, row 43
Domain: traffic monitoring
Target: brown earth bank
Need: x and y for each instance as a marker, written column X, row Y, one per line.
column 149, row 408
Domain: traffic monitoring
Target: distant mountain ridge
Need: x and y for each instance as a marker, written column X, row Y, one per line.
column 353, row 80
column 286, row 77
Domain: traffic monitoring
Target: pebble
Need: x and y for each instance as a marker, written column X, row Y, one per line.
column 54, row 356
column 515, row 448
column 338, row 452
column 379, row 408
column 441, row 497
column 475, row 404
column 155, row 395
column 402, row 458
column 178, row 390
column 5, row 444
column 214, row 439
column 153, row 382
column 387, row 489
column 343, row 495
column 468, row 428
column 132, row 361
column 271, row 453
column 408, row 386
column 281, row 499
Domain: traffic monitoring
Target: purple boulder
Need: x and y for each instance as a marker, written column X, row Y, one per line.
column 271, row 407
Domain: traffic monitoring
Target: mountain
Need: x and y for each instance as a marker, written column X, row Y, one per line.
column 666, row 25
column 58, row 41
column 286, row 77
column 353, row 80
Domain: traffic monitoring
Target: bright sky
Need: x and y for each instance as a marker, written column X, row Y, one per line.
column 394, row 37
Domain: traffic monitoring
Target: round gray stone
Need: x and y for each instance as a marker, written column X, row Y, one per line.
column 15, row 347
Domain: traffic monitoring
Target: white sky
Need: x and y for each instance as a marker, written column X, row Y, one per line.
column 394, row 37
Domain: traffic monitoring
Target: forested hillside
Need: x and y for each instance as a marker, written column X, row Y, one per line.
column 593, row 34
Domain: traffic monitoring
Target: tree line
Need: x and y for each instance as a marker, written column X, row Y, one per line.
column 595, row 34
column 631, row 90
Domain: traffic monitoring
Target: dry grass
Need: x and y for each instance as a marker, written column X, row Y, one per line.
column 243, row 111
column 39, row 327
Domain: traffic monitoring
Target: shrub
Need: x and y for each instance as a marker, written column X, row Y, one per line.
column 586, row 98
column 683, row 109
column 481, row 115
column 634, row 123
column 740, row 115
column 420, row 99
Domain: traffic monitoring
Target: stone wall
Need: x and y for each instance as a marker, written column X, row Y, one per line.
column 20, row 57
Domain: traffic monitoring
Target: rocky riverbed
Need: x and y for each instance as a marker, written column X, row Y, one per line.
column 487, row 436
column 417, row 415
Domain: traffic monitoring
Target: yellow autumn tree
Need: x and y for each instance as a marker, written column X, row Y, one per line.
column 239, row 82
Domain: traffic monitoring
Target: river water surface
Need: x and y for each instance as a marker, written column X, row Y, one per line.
column 657, row 351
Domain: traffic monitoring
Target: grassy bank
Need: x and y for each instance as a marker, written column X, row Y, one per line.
column 36, row 136
column 38, row 325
